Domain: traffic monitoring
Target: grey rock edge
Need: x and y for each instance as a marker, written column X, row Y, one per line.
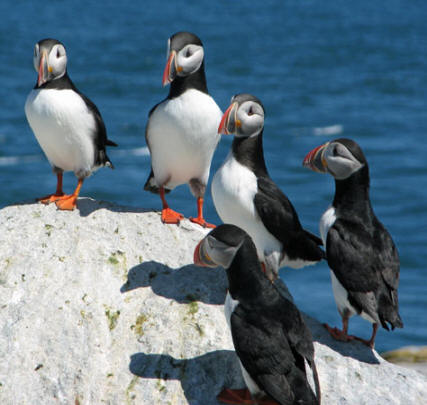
column 103, row 306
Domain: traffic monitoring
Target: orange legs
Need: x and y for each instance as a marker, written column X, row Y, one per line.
column 200, row 220
column 58, row 194
column 69, row 202
column 371, row 341
column 169, row 216
column 340, row 334
column 344, row 337
column 63, row 201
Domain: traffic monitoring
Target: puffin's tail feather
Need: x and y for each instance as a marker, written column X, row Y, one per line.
column 151, row 184
column 388, row 310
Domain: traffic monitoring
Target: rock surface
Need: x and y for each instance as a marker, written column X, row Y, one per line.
column 103, row 306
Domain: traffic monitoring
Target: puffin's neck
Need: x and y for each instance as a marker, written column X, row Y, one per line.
column 246, row 282
column 61, row 83
column 196, row 81
column 250, row 153
column 353, row 192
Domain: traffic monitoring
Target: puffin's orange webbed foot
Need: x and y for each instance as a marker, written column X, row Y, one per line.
column 202, row 222
column 235, row 397
column 67, row 202
column 50, row 198
column 338, row 334
column 169, row 216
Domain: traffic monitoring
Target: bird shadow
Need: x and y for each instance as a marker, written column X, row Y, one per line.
column 202, row 378
column 356, row 350
column 88, row 206
column 184, row 284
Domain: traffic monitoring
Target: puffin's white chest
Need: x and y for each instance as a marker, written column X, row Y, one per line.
column 326, row 221
column 340, row 294
column 234, row 187
column 64, row 128
column 182, row 135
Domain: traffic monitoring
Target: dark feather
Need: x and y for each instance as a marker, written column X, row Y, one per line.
column 270, row 354
column 281, row 220
column 364, row 259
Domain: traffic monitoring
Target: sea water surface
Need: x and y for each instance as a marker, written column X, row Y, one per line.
column 322, row 69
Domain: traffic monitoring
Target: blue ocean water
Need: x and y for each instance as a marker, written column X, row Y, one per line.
column 322, row 70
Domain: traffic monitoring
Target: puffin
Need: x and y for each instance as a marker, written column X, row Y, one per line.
column 181, row 132
column 245, row 195
column 67, row 125
column 270, row 337
column 362, row 257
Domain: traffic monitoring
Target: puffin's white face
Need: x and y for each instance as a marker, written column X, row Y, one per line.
column 340, row 161
column 189, row 59
column 50, row 62
column 335, row 158
column 211, row 252
column 242, row 120
column 250, row 115
column 183, row 62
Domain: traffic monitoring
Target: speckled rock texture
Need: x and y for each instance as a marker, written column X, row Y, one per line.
column 103, row 306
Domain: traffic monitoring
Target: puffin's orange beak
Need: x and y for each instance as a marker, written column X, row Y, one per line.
column 314, row 159
column 170, row 71
column 44, row 69
column 229, row 122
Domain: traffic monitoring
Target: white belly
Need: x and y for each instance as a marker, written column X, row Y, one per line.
column 233, row 190
column 64, row 128
column 182, row 134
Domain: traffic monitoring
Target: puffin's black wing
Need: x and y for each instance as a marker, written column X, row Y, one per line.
column 264, row 350
column 281, row 220
column 101, row 140
column 365, row 261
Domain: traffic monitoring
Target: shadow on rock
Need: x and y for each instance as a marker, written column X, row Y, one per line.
column 87, row 206
column 185, row 284
column 202, row 378
column 356, row 350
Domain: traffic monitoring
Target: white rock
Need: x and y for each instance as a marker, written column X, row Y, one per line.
column 102, row 305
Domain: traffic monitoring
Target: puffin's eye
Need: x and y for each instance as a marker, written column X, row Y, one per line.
column 188, row 53
column 250, row 112
column 335, row 151
column 58, row 54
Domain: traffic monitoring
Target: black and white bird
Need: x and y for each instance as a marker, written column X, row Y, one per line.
column 362, row 257
column 269, row 334
column 181, row 132
column 67, row 125
column 246, row 196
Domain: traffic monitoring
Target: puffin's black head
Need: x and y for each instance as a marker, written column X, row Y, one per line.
column 185, row 56
column 50, row 60
column 219, row 247
column 244, row 117
column 341, row 158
